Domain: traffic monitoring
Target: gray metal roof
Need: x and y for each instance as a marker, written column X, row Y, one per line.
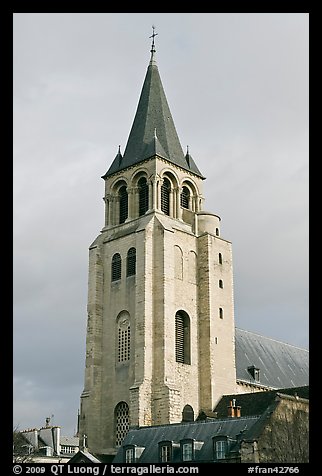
column 281, row 365
column 69, row 440
column 256, row 403
column 149, row 437
column 153, row 131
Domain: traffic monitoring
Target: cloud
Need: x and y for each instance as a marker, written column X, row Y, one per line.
column 237, row 86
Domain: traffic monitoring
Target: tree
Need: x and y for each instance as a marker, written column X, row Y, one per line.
column 22, row 449
column 286, row 437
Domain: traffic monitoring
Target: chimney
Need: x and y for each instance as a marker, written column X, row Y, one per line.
column 233, row 409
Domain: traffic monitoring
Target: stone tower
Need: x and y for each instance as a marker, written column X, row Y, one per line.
column 160, row 330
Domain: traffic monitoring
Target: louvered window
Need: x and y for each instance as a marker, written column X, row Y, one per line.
column 122, row 423
column 143, row 196
column 123, row 204
column 184, row 197
column 116, row 267
column 131, row 262
column 182, row 335
column 165, row 196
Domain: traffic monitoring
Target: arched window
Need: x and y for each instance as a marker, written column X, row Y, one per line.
column 221, row 313
column 188, row 413
column 123, row 204
column 165, row 196
column 221, row 284
column 143, row 196
column 220, row 258
column 217, row 231
column 131, row 262
column 184, row 197
column 182, row 335
column 122, row 422
column 124, row 337
column 116, row 267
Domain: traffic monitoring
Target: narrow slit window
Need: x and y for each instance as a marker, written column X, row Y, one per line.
column 221, row 284
column 123, row 204
column 131, row 262
column 184, row 197
column 116, row 267
column 143, row 196
column 220, row 258
column 221, row 313
column 165, row 196
column 182, row 337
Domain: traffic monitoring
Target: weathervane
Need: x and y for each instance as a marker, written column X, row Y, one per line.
column 152, row 36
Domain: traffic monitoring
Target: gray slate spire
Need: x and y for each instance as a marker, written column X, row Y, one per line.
column 153, row 131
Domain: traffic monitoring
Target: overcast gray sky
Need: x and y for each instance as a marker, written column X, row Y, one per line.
column 237, row 87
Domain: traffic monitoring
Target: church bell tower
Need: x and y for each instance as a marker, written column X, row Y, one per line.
column 160, row 330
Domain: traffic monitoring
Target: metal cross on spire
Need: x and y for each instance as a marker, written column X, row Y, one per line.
column 152, row 36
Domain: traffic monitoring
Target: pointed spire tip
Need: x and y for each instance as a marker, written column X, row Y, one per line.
column 152, row 60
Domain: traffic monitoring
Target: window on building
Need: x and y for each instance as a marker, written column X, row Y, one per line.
column 220, row 258
column 217, row 231
column 116, row 267
column 254, row 372
column 187, row 451
column 121, row 418
column 184, row 197
column 131, row 262
column 221, row 313
column 220, row 447
column 188, row 413
column 132, row 453
column 129, row 455
column 165, row 451
column 165, row 196
column 182, row 335
column 221, row 284
column 143, row 196
column 124, row 340
column 68, row 449
column 123, row 204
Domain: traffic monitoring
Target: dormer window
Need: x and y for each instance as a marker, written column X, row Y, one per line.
column 187, row 450
column 129, row 455
column 165, row 451
column 189, row 447
column 132, row 453
column 254, row 372
column 220, row 449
